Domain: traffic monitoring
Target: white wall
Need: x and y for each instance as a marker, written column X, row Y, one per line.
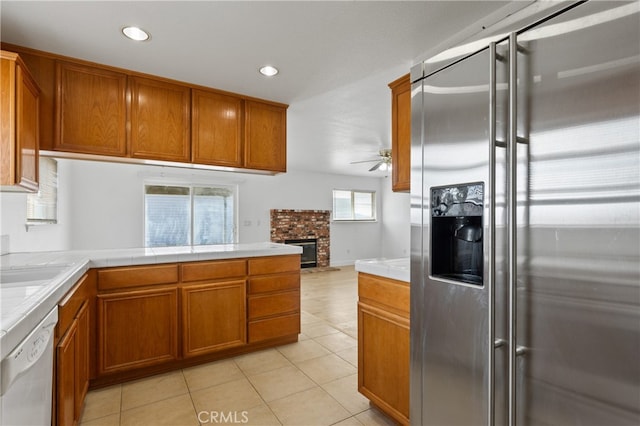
column 13, row 208
column 101, row 206
column 396, row 224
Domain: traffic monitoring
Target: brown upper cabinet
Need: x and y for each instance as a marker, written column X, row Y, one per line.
column 401, row 133
column 100, row 110
column 91, row 110
column 265, row 136
column 19, row 125
column 160, row 120
column 216, row 125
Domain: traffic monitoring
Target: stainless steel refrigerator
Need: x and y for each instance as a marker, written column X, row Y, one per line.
column 525, row 217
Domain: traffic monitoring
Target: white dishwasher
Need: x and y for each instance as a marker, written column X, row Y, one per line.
column 27, row 378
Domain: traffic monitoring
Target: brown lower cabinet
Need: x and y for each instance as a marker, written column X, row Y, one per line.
column 73, row 352
column 274, row 298
column 383, row 344
column 213, row 317
column 121, row 323
column 137, row 329
column 157, row 318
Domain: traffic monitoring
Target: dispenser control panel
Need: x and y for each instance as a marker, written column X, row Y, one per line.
column 457, row 232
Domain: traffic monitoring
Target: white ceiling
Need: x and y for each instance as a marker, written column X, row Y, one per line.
column 335, row 57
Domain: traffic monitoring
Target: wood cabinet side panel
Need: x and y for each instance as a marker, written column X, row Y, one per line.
column 401, row 133
column 27, row 129
column 43, row 70
column 7, row 120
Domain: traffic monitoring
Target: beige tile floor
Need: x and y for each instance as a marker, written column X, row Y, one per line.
column 311, row 382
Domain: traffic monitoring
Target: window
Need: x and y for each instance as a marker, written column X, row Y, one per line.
column 354, row 205
column 42, row 207
column 180, row 215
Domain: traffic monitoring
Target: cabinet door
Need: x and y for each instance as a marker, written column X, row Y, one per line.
column 401, row 133
column 265, row 136
column 213, row 317
column 82, row 358
column 66, row 355
column 91, row 110
column 27, row 129
column 19, row 126
column 217, row 129
column 137, row 329
column 383, row 360
column 160, row 120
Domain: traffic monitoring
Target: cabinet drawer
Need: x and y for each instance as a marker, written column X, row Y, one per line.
column 274, row 304
column 274, row 264
column 214, row 270
column 137, row 276
column 290, row 281
column 387, row 292
column 70, row 305
column 274, row 327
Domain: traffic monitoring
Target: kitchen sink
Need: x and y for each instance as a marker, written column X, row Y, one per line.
column 20, row 276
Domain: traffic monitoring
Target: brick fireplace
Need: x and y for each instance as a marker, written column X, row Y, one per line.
column 299, row 225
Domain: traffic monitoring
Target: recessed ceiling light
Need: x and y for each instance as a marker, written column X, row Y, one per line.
column 135, row 33
column 268, row 70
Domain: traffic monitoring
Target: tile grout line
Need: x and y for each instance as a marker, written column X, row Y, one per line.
column 257, row 392
column 193, row 404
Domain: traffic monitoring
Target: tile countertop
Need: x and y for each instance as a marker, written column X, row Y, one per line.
column 397, row 269
column 23, row 306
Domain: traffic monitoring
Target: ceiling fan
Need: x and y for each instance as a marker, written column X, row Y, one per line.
column 383, row 161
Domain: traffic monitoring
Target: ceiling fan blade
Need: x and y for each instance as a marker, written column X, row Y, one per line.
column 376, row 167
column 365, row 161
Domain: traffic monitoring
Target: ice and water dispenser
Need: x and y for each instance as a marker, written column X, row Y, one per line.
column 456, row 233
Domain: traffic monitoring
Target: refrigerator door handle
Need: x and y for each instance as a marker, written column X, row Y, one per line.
column 494, row 343
column 512, row 150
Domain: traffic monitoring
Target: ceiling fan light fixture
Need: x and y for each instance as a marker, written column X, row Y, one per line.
column 383, row 163
column 269, row 70
column 135, row 33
